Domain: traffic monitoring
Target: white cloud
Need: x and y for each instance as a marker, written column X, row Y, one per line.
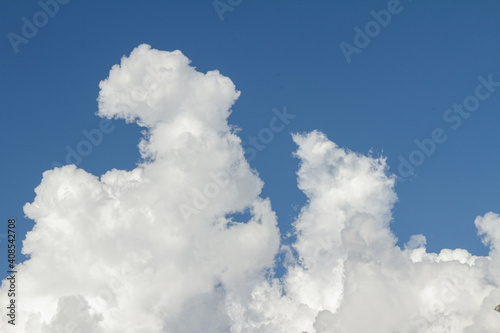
column 352, row 277
column 152, row 249
column 123, row 243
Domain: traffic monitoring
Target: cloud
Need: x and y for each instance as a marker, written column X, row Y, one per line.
column 351, row 276
column 145, row 249
column 155, row 249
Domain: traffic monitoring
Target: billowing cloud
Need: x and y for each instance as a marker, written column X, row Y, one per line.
column 155, row 249
column 351, row 277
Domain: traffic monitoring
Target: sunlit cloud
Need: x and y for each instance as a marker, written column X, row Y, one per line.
column 156, row 249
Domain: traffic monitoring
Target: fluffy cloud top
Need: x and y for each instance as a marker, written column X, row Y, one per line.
column 154, row 249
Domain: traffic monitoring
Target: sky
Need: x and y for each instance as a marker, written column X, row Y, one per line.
column 265, row 159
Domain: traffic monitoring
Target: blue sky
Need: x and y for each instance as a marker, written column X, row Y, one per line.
column 278, row 54
column 415, row 82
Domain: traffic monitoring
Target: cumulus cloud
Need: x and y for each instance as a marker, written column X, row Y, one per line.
column 152, row 249
column 155, row 249
column 351, row 277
